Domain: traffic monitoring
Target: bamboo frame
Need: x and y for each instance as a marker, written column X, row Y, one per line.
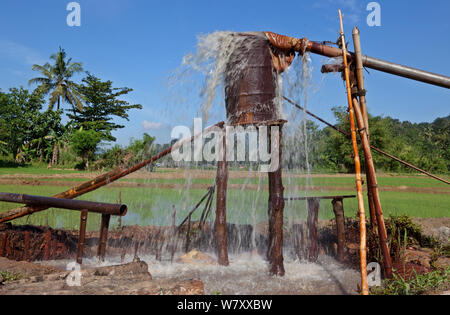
column 362, row 216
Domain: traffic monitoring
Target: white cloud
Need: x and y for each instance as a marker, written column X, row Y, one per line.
column 352, row 9
column 20, row 52
column 147, row 125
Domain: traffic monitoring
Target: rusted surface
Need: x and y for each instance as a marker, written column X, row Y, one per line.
column 26, row 250
column 338, row 209
column 103, row 236
column 81, row 237
column 276, row 214
column 250, row 86
column 313, row 234
column 40, row 201
column 3, row 240
column 221, row 207
column 69, row 194
column 48, row 244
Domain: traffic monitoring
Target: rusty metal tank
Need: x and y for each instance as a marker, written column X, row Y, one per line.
column 250, row 82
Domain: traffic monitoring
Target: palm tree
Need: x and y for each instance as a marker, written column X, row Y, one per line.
column 56, row 80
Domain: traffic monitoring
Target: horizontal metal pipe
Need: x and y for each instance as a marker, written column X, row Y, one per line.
column 382, row 65
column 37, row 201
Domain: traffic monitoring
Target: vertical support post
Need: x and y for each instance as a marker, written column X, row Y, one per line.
column 120, row 202
column 188, row 235
column 82, row 236
column 103, row 238
column 3, row 244
column 173, row 234
column 338, row 208
column 313, row 233
column 359, row 74
column 276, row 209
column 374, row 188
column 9, row 251
column 26, row 250
column 221, row 204
column 48, row 244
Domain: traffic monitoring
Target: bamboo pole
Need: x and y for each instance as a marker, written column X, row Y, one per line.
column 374, row 188
column 364, row 284
column 362, row 100
column 100, row 181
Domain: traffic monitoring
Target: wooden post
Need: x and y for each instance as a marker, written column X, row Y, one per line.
column 359, row 74
column 276, row 212
column 3, row 244
column 221, row 205
column 173, row 234
column 313, row 233
column 82, row 235
column 120, row 202
column 338, row 208
column 103, row 238
column 26, row 250
column 188, row 235
column 48, row 244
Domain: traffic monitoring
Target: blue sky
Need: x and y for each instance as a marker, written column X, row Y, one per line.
column 139, row 43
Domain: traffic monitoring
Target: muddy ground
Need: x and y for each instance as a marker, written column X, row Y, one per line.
column 162, row 254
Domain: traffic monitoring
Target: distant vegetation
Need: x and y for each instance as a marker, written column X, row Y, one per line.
column 426, row 145
column 32, row 129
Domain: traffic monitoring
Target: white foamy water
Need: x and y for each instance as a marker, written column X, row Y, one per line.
column 248, row 275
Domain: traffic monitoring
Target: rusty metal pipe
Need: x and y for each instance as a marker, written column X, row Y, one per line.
column 97, row 207
column 302, row 45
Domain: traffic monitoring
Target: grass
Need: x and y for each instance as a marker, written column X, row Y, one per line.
column 420, row 284
column 154, row 205
column 415, row 182
column 10, row 276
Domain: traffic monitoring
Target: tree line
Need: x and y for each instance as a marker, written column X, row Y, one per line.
column 426, row 145
column 32, row 129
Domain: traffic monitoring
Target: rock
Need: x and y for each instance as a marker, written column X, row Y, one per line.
column 129, row 279
column 420, row 256
column 442, row 263
column 353, row 248
column 444, row 234
column 197, row 257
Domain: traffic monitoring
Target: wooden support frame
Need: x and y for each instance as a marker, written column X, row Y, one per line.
column 82, row 236
column 103, row 238
column 221, row 204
